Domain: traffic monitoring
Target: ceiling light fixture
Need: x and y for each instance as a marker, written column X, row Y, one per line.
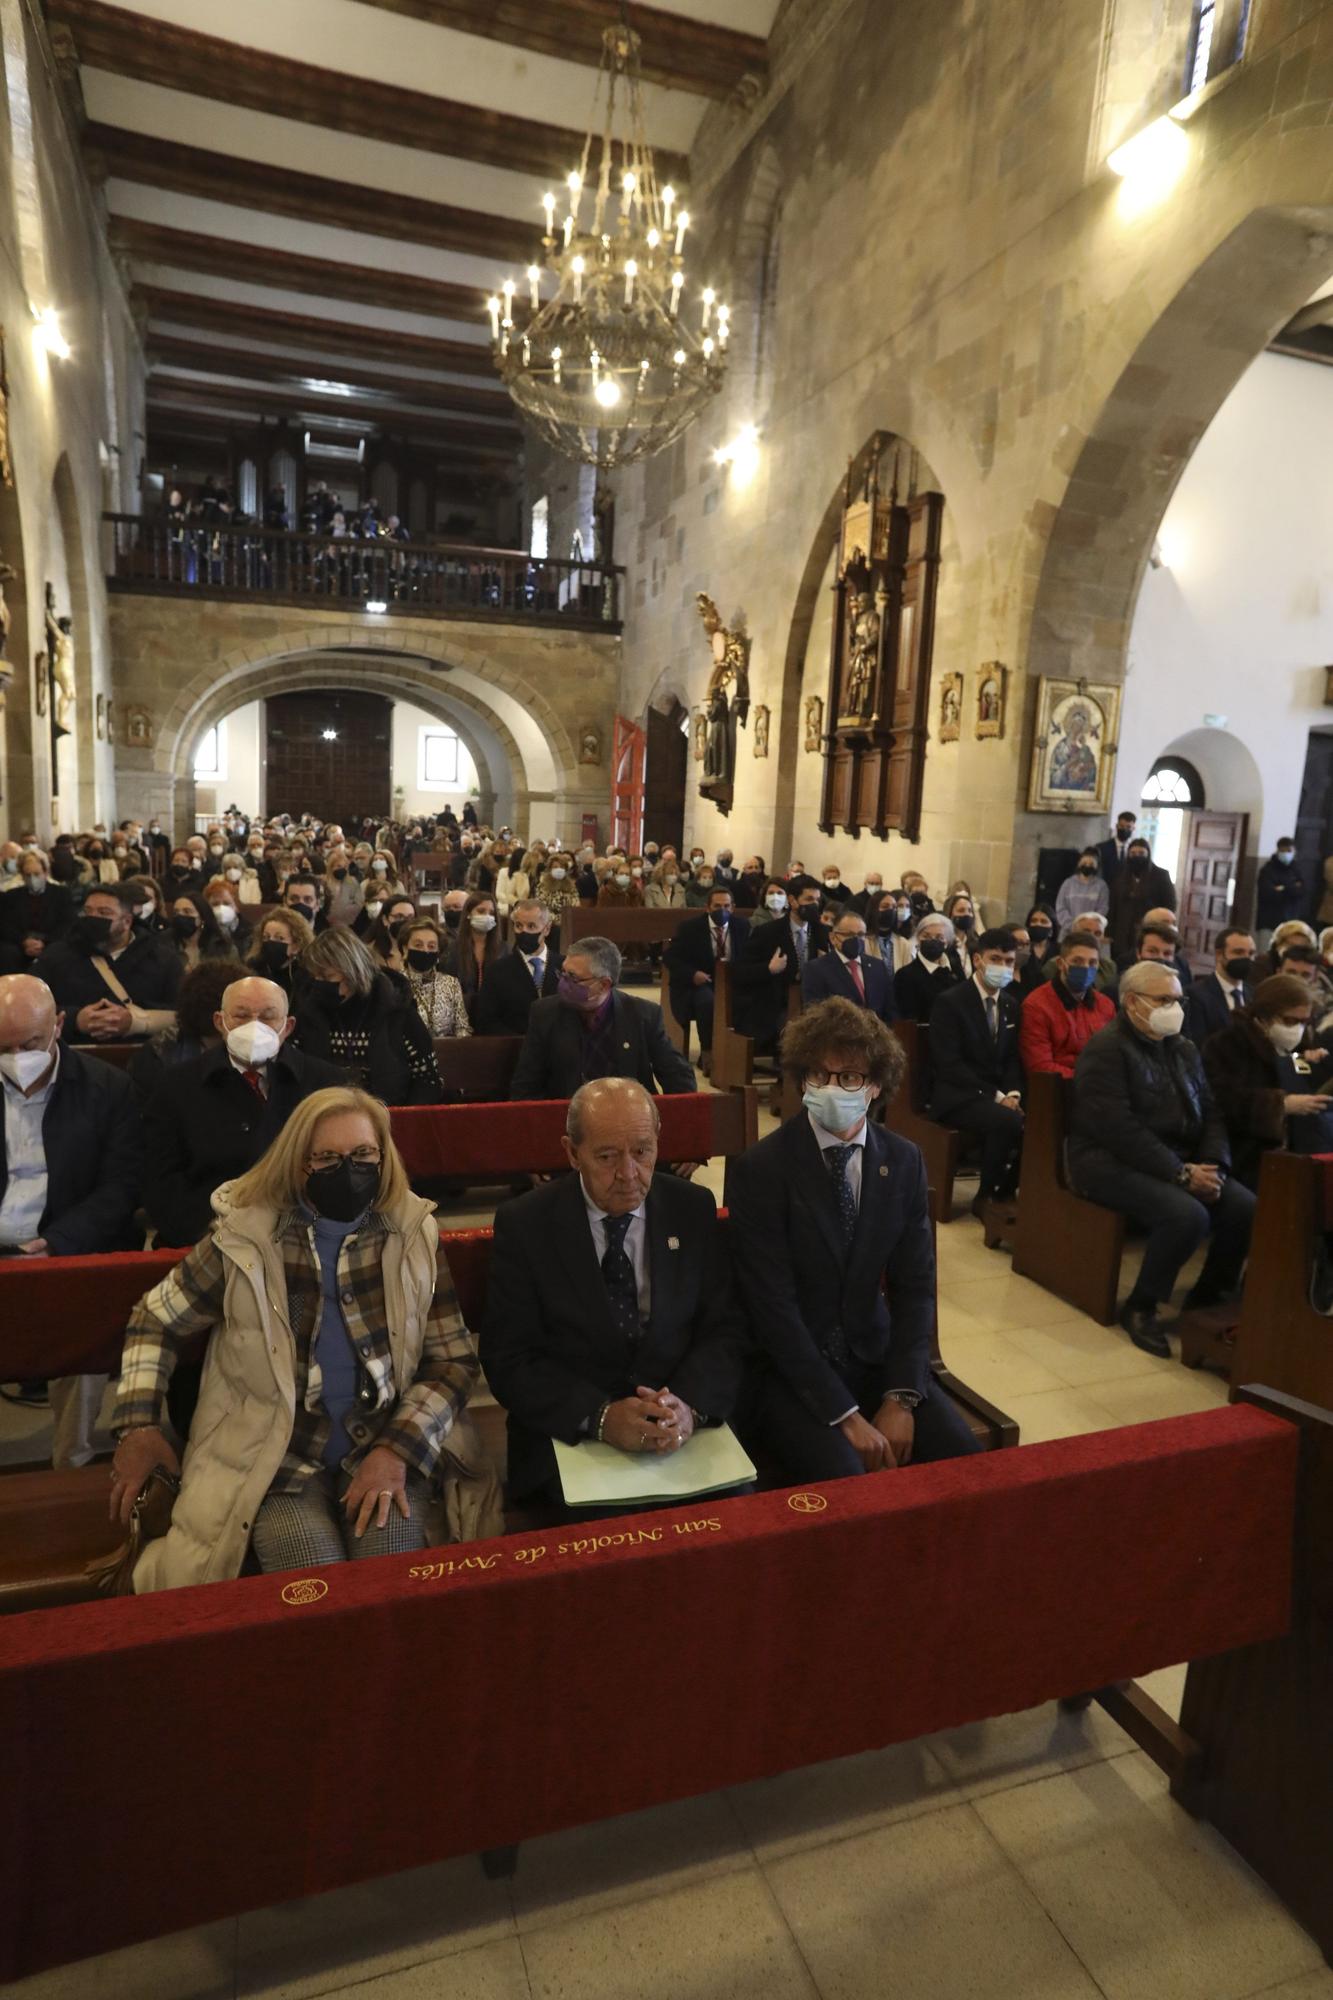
column 376, row 605
column 607, row 370
column 330, row 735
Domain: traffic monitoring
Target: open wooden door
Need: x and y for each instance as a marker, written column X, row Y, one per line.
column 629, row 749
column 1210, row 869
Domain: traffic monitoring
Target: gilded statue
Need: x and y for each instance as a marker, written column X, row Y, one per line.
column 728, row 699
column 862, row 653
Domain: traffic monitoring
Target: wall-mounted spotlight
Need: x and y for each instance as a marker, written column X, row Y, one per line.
column 330, row 735
column 376, row 605
column 47, row 333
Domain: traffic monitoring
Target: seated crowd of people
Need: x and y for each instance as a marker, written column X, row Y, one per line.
column 284, row 984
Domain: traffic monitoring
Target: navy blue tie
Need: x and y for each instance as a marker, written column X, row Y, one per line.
column 622, row 1288
column 839, row 1159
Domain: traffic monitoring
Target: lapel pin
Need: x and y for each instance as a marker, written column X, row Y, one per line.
column 884, row 1173
column 673, row 1242
column 624, row 1045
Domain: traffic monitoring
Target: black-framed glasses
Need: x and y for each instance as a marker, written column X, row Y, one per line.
column 360, row 1156
column 845, row 1079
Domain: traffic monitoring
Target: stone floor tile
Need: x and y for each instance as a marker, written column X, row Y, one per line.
column 491, row 1972
column 849, row 1795
column 1007, row 1750
column 1057, row 1413
column 593, row 1868
column 196, row 1964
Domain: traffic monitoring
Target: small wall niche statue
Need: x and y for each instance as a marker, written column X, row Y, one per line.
column 888, row 560
column 951, row 708
column 1074, row 746
column 761, row 720
column 727, row 705
column 99, row 718
column 814, row 722
column 60, row 645
column 590, row 745
column 991, row 680
column 139, row 731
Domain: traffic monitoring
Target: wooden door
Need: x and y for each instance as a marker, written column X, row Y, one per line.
column 666, row 769
column 1210, row 869
column 629, row 750
column 329, row 753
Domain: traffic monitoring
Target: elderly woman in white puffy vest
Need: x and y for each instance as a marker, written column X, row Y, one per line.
column 330, row 1424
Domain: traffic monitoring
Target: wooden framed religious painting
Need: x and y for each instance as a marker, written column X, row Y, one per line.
column 991, row 680
column 1074, row 746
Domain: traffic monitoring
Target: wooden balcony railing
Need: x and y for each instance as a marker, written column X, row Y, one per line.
column 439, row 579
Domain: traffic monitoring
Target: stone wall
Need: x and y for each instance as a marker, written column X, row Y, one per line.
column 186, row 662
column 955, row 265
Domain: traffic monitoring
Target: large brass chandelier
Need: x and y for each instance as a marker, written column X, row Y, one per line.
column 607, row 369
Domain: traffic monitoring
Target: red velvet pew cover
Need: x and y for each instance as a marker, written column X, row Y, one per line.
column 174, row 1759
column 466, row 1140
column 66, row 1315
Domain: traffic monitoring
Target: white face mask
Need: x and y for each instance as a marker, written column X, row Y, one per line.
column 225, row 915
column 482, row 924
column 1167, row 1020
column 24, row 1066
column 253, row 1043
column 557, row 874
column 380, row 867
column 144, row 911
column 233, row 874
column 622, row 881
column 373, row 909
column 777, row 904
column 1286, row 1036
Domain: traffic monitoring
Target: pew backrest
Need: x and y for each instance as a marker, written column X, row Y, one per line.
column 495, row 1141
column 622, row 926
column 477, row 1068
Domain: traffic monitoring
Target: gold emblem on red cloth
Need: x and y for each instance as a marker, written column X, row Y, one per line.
column 807, row 1503
column 308, row 1591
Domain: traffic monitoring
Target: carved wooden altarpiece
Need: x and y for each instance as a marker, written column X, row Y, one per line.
column 879, row 669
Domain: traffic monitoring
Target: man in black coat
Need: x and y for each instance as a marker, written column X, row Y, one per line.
column 1111, row 852
column 715, row 937
column 211, row 1119
column 936, row 969
column 1147, row 1138
column 70, row 1168
column 528, row 972
column 609, row 1311
column 844, row 972
column 588, row 1029
column 1139, row 888
column 774, row 959
column 34, row 916
column 835, row 1263
column 976, row 1066
column 1280, row 889
column 111, row 985
column 1213, row 1001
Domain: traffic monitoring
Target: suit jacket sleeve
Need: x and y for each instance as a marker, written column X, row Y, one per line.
column 674, row 1074
column 1011, row 1077
column 949, row 1055
column 709, row 1378
column 766, row 1279
column 525, row 1377
column 102, row 1219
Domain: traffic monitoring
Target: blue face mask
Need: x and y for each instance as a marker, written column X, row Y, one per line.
column 997, row 977
column 1078, row 978
column 852, row 947
column 835, row 1109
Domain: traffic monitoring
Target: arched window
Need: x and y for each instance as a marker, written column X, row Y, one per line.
column 1173, row 782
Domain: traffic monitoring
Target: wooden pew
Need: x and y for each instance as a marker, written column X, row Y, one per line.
column 1041, row 1600
column 906, row 1114
column 622, row 926
column 733, row 1052
column 677, row 1032
column 119, row 1054
column 1069, row 1246
column 1279, row 1329
column 477, row 1068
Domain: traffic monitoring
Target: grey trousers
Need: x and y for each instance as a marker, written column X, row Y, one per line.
column 308, row 1529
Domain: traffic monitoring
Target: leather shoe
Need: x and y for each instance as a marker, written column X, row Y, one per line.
column 1146, row 1330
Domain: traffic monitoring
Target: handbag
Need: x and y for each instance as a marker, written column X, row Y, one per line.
column 150, row 1517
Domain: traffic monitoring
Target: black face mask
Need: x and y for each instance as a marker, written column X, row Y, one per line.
column 528, row 942
column 339, row 874
column 1086, row 868
column 184, row 926
column 93, row 934
column 305, row 910
column 453, row 918
column 921, row 903
column 341, row 1193
column 274, row 954
column 888, row 923
column 326, row 992
column 931, row 949
column 1039, row 933
column 964, row 924
column 423, row 961
column 1239, row 968
column 1137, row 864
column 807, row 912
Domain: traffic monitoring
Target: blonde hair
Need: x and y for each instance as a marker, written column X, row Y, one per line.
column 338, row 953
column 277, row 1181
column 299, row 933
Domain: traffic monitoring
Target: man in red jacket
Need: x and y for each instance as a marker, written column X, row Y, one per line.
column 1064, row 1012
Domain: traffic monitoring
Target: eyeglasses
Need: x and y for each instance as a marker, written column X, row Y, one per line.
column 360, row 1156
column 846, row 1079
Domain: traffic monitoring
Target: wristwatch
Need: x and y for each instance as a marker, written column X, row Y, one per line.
column 909, row 1398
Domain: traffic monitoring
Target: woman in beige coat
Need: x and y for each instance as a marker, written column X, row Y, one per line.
column 336, row 1370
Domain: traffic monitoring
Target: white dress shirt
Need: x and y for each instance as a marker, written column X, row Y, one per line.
column 636, row 1246
column 25, row 1158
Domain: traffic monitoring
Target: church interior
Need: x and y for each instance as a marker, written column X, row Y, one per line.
column 775, row 518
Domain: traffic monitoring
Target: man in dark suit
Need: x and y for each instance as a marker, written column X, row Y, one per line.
column 1140, row 891
column 211, row 1119
column 977, row 1070
column 774, row 959
column 71, row 1161
column 609, row 1311
column 835, row 1264
column 716, row 937
column 1211, row 1002
column 528, row 972
column 1111, row 852
column 846, row 973
column 588, row 1030
column 111, row 985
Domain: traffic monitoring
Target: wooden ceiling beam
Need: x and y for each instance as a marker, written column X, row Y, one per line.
column 677, row 52
column 321, row 277
column 152, row 51
column 178, row 392
column 280, row 372
column 306, row 332
column 133, row 156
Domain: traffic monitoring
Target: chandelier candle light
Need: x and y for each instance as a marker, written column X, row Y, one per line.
column 608, row 370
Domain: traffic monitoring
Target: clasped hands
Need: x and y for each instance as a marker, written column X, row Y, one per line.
column 887, row 1442
column 649, row 1420
column 103, row 1020
column 1205, row 1181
